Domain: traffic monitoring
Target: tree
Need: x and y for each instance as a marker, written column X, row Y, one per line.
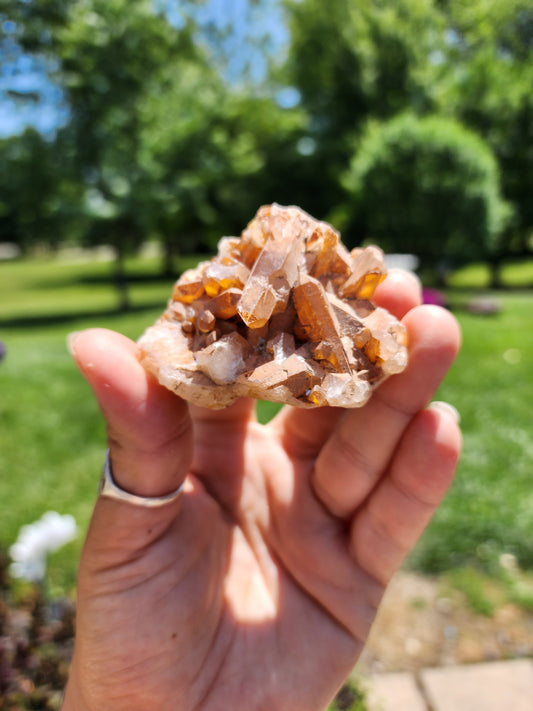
column 107, row 55
column 490, row 46
column 160, row 141
column 37, row 201
column 427, row 186
column 352, row 61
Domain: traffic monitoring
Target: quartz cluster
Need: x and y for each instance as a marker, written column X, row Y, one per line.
column 282, row 313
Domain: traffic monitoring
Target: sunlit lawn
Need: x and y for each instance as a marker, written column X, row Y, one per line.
column 516, row 273
column 489, row 510
column 52, row 437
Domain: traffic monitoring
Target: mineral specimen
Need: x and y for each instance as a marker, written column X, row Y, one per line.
column 282, row 313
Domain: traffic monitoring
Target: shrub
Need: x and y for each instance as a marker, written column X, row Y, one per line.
column 426, row 186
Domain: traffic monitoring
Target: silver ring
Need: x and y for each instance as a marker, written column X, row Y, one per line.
column 108, row 487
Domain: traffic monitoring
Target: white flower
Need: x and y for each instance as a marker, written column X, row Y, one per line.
column 38, row 539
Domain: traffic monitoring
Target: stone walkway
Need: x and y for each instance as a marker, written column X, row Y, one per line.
column 495, row 686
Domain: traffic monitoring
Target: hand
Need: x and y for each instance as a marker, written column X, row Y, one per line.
column 257, row 588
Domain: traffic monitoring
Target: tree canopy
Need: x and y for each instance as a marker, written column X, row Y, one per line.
column 429, row 186
column 490, row 49
column 164, row 139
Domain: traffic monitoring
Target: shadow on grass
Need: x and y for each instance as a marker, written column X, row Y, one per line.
column 56, row 319
column 131, row 278
column 103, row 279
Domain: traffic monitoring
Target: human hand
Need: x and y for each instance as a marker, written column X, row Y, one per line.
column 257, row 588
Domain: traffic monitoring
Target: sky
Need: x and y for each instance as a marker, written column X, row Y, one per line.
column 24, row 76
column 250, row 23
column 257, row 31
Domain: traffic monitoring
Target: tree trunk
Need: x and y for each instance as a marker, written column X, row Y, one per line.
column 495, row 267
column 121, row 281
column 169, row 253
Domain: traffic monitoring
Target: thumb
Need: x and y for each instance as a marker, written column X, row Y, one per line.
column 149, row 429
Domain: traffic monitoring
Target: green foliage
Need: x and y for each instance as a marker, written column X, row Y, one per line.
column 355, row 60
column 352, row 61
column 491, row 53
column 501, row 583
column 110, row 56
column 426, row 186
column 518, row 586
column 159, row 143
column 473, row 585
column 37, row 202
column 207, row 167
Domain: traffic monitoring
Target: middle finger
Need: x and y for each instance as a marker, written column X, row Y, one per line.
column 358, row 451
column 304, row 432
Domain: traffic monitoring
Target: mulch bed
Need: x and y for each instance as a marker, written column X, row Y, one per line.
column 36, row 641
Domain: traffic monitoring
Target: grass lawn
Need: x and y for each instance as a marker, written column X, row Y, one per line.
column 514, row 274
column 489, row 509
column 52, row 437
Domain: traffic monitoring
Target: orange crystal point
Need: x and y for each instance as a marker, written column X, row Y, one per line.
column 224, row 305
column 327, row 257
column 188, row 289
column 258, row 304
column 275, row 271
column 368, row 271
column 281, row 313
column 224, row 275
column 318, row 321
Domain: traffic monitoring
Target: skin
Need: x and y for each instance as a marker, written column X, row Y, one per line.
column 257, row 588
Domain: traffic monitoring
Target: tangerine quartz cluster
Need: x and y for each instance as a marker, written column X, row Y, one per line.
column 282, row 313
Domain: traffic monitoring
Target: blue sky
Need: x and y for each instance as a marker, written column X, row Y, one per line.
column 24, row 76
column 257, row 30
column 45, row 110
column 250, row 23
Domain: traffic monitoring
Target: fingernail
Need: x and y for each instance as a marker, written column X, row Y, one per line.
column 71, row 342
column 446, row 407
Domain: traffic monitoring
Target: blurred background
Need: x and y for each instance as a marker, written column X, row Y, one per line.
column 135, row 133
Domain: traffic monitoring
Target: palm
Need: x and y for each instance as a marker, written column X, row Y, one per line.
column 258, row 591
column 281, row 545
column 230, row 577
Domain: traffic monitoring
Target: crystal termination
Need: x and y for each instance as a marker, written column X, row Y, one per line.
column 282, row 313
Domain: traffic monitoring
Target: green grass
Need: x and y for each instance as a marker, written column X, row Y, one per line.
column 515, row 274
column 59, row 290
column 489, row 509
column 486, row 592
column 51, row 433
column 476, row 588
column 52, row 436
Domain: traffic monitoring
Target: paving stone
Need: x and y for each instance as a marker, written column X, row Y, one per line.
column 394, row 692
column 481, row 687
